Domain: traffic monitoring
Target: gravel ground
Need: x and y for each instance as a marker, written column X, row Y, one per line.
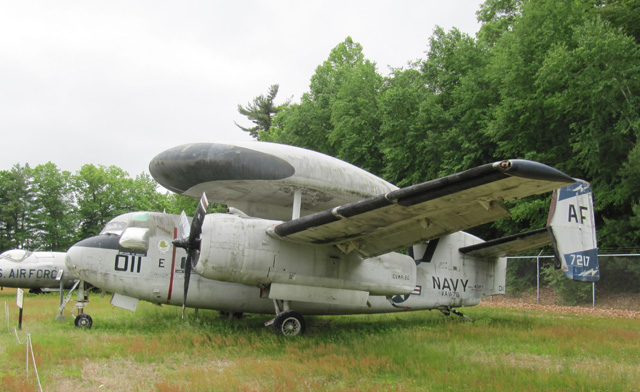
column 613, row 305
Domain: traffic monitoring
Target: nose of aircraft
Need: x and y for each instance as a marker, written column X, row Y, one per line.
column 86, row 257
column 74, row 256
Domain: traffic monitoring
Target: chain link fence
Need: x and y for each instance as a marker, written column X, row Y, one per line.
column 534, row 279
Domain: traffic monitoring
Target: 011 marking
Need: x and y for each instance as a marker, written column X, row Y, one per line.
column 122, row 263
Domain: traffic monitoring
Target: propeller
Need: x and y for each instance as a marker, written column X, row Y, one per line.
column 190, row 241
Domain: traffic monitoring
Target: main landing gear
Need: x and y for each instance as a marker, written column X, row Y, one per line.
column 287, row 322
column 231, row 315
column 448, row 310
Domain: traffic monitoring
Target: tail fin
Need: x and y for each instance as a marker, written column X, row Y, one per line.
column 573, row 231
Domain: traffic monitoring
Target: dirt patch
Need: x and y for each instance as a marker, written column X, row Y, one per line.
column 607, row 304
column 618, row 301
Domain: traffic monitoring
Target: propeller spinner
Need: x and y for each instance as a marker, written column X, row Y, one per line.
column 190, row 241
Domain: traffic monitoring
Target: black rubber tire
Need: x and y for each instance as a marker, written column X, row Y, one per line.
column 289, row 324
column 83, row 321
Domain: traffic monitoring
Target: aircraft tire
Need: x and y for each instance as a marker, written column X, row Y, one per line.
column 289, row 324
column 83, row 321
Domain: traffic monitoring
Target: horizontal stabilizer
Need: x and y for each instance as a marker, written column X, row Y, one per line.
column 510, row 245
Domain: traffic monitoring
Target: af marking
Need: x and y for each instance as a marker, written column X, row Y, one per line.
column 573, row 213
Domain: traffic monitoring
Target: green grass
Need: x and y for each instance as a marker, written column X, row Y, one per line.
column 154, row 350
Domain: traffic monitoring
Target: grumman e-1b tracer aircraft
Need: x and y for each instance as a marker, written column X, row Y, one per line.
column 34, row 270
column 307, row 234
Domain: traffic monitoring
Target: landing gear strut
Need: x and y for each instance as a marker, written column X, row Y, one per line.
column 82, row 320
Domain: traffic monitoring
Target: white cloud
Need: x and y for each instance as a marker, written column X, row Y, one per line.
column 117, row 82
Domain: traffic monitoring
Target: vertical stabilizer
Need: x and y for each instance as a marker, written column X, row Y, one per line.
column 571, row 220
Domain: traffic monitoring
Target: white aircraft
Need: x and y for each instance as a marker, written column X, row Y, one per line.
column 34, row 270
column 307, row 234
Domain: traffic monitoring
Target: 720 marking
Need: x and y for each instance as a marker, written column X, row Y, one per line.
column 580, row 260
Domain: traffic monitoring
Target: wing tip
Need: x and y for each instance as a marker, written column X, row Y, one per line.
column 532, row 170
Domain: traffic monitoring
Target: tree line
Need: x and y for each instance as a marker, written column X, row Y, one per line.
column 552, row 81
column 45, row 208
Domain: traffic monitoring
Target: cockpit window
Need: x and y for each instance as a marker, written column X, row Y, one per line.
column 114, row 228
column 140, row 217
column 16, row 255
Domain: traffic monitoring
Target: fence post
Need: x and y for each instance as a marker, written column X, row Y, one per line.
column 27, row 345
column 538, row 269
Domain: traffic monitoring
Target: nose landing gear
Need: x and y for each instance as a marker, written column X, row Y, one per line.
column 82, row 320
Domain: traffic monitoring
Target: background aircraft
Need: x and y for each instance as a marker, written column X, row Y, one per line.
column 34, row 270
column 309, row 234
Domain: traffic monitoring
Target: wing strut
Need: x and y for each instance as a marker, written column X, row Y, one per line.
column 297, row 204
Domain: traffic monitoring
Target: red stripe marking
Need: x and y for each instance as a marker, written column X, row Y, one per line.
column 173, row 264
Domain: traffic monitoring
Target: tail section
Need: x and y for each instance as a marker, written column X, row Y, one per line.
column 573, row 231
column 570, row 227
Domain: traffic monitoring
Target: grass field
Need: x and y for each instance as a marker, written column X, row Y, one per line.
column 503, row 349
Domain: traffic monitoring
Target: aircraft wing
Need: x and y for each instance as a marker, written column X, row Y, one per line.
column 422, row 212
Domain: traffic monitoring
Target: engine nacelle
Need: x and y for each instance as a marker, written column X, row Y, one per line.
column 239, row 250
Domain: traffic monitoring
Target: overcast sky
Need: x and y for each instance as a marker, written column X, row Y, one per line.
column 117, row 82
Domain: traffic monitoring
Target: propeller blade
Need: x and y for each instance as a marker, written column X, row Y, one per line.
column 198, row 218
column 187, row 278
column 190, row 241
column 184, row 227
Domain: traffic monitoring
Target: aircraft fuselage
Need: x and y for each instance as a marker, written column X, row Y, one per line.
column 33, row 270
column 239, row 263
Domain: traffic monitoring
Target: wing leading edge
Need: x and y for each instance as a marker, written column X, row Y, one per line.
column 422, row 212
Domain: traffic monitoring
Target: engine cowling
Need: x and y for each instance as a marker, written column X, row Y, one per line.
column 239, row 250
